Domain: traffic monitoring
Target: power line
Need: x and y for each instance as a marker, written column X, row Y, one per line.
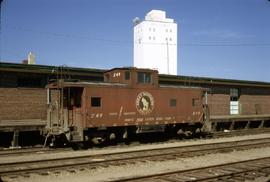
column 227, row 44
column 66, row 35
column 12, row 52
column 195, row 44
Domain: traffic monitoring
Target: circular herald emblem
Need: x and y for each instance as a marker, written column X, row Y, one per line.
column 144, row 103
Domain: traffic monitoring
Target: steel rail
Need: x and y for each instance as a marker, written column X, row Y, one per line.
column 39, row 166
column 29, row 151
column 222, row 172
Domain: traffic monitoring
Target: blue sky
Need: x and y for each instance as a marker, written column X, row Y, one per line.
column 216, row 38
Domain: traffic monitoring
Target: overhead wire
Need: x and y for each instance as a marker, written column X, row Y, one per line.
column 194, row 44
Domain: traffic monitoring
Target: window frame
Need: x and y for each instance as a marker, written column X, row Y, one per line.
column 173, row 102
column 144, row 77
column 234, row 94
column 127, row 75
column 196, row 102
column 96, row 102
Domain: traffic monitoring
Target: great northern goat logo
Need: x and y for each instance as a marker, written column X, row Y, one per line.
column 145, row 103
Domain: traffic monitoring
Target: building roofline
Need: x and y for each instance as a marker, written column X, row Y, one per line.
column 174, row 22
column 47, row 69
column 130, row 68
column 172, row 79
column 211, row 81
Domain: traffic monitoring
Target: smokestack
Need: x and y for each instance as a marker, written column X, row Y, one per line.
column 31, row 58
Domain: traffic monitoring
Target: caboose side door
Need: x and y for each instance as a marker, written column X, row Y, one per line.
column 74, row 104
column 75, row 113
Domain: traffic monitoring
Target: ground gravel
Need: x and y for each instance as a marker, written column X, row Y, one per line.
column 146, row 168
column 44, row 155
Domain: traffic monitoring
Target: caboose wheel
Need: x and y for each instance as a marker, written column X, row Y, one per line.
column 52, row 142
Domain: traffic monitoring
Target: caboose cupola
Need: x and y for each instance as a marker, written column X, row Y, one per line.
column 133, row 77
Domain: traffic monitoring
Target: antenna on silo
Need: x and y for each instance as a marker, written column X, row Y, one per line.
column 136, row 21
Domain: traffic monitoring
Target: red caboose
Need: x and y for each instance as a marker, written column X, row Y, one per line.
column 129, row 101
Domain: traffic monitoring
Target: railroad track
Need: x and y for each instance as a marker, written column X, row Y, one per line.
column 20, row 151
column 236, row 171
column 73, row 164
column 242, row 132
column 29, row 151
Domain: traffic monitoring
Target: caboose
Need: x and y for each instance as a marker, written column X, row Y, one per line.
column 130, row 101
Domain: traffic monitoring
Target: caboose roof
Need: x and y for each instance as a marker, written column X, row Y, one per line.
column 82, row 84
column 131, row 68
column 89, row 84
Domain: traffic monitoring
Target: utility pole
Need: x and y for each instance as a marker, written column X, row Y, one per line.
column 1, row 30
column 168, row 59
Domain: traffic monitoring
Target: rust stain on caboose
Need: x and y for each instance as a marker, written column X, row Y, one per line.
column 127, row 97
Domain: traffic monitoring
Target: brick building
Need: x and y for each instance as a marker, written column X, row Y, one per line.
column 23, row 94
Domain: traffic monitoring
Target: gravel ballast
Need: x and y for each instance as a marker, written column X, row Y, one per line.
column 44, row 155
column 146, row 168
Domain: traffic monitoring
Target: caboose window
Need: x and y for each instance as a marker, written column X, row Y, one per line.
column 173, row 102
column 195, row 102
column 127, row 75
column 144, row 77
column 107, row 77
column 95, row 101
